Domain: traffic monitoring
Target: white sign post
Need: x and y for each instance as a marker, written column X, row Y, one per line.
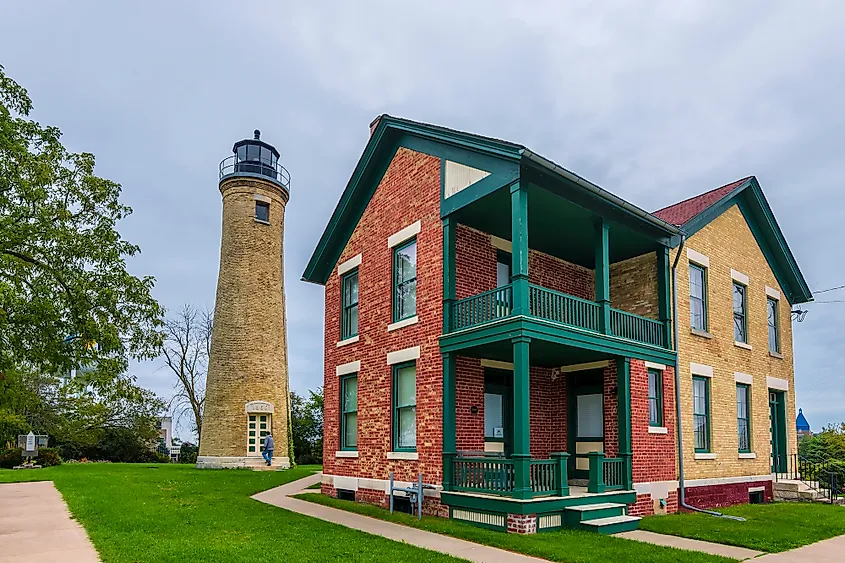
column 29, row 444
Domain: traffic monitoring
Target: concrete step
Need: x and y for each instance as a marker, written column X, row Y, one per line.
column 611, row 524
column 574, row 515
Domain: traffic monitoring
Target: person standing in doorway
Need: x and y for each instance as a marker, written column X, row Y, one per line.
column 268, row 448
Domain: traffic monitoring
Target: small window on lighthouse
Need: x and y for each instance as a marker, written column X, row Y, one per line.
column 262, row 211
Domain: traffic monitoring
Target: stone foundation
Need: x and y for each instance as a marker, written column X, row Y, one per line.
column 217, row 462
column 727, row 494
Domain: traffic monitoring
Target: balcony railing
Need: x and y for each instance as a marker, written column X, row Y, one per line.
column 608, row 473
column 482, row 308
column 559, row 308
column 498, row 476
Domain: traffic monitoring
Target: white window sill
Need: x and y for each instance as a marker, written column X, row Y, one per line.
column 658, row 430
column 701, row 333
column 346, row 453
column 403, row 323
column 263, row 222
column 412, row 456
column 705, row 456
column 777, row 355
column 742, row 345
column 351, row 340
column 748, row 455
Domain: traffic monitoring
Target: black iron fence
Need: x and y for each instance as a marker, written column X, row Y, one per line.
column 825, row 476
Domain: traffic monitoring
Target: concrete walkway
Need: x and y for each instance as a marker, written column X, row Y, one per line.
column 826, row 551
column 280, row 496
column 740, row 553
column 36, row 527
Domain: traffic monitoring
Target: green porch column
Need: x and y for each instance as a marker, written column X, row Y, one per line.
column 449, row 227
column 449, row 431
column 664, row 297
column 519, row 244
column 603, row 274
column 623, row 383
column 521, row 418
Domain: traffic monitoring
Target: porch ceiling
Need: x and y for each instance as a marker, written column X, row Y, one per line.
column 556, row 226
column 543, row 354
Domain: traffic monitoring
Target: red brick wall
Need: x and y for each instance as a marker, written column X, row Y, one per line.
column 714, row 496
column 547, row 413
column 393, row 207
column 654, row 454
column 645, row 505
column 611, row 411
column 475, row 266
column 469, row 387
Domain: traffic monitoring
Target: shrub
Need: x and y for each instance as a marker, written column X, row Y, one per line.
column 10, row 458
column 48, row 457
column 159, row 457
column 188, row 453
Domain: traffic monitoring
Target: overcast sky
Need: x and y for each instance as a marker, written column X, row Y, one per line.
column 654, row 101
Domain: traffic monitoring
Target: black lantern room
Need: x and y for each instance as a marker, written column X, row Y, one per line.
column 254, row 157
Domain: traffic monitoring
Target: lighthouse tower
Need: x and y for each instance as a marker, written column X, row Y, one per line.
column 247, row 384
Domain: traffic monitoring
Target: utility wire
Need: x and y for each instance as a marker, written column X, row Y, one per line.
column 830, row 289
column 834, row 301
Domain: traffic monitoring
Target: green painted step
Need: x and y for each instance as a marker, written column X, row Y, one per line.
column 612, row 524
column 574, row 515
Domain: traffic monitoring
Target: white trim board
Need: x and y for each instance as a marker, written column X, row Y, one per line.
column 404, row 234
column 496, row 364
column 652, row 365
column 501, row 244
column 586, row 366
column 403, row 323
column 777, row 383
column 698, row 258
column 351, row 367
column 405, row 355
column 773, row 293
column 349, row 265
column 739, row 277
column 356, row 483
column 745, row 378
column 701, row 369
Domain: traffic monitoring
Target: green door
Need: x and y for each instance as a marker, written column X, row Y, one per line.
column 498, row 411
column 585, row 423
column 777, row 418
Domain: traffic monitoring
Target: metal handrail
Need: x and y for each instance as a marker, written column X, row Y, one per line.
column 826, row 476
column 262, row 167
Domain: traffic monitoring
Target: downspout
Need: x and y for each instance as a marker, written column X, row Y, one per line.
column 682, row 500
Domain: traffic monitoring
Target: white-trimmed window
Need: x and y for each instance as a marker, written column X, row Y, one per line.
column 772, row 315
column 698, row 297
column 258, row 426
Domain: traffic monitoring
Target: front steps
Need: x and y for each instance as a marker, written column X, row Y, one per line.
column 602, row 518
column 795, row 490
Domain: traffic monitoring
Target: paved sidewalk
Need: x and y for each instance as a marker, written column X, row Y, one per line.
column 825, row 551
column 280, row 496
column 740, row 553
column 36, row 527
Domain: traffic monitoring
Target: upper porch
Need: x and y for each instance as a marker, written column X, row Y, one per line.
column 571, row 265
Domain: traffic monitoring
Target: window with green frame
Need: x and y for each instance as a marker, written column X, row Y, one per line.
column 740, row 325
column 743, row 424
column 405, row 407
column 349, row 412
column 772, row 313
column 697, row 297
column 405, row 280
column 655, row 397
column 349, row 305
column 701, row 413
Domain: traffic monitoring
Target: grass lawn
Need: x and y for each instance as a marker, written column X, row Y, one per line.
column 768, row 527
column 161, row 513
column 570, row 546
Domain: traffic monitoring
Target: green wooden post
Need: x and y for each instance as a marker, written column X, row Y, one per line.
column 519, row 249
column 561, row 477
column 596, row 482
column 664, row 296
column 623, row 397
column 521, row 418
column 448, row 271
column 603, row 274
column 449, row 448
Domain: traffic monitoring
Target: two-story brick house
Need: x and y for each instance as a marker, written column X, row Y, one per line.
column 504, row 327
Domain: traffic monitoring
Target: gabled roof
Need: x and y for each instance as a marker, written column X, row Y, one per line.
column 801, row 422
column 692, row 214
column 387, row 134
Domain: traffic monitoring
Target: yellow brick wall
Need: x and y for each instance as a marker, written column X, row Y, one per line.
column 249, row 342
column 633, row 286
column 729, row 244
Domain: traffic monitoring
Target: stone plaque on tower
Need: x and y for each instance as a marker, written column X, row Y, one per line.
column 247, row 382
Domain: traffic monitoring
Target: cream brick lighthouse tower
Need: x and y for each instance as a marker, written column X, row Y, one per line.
column 247, row 385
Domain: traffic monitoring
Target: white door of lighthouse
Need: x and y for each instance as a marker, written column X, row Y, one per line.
column 259, row 427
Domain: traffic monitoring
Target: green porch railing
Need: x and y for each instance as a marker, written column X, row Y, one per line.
column 482, row 308
column 563, row 308
column 497, row 476
column 607, row 474
column 635, row 327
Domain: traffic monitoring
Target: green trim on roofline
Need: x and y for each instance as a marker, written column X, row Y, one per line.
column 505, row 161
column 540, row 505
column 761, row 220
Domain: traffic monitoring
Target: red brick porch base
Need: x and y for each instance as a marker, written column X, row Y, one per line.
column 522, row 523
column 714, row 496
column 431, row 506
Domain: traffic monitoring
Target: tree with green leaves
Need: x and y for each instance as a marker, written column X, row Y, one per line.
column 67, row 300
column 307, row 426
